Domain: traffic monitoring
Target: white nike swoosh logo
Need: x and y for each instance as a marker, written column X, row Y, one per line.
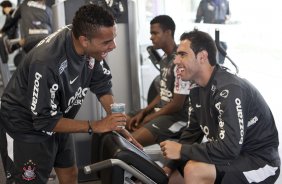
column 198, row 106
column 155, row 126
column 72, row 81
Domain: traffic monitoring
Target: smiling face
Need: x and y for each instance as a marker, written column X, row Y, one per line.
column 187, row 63
column 101, row 44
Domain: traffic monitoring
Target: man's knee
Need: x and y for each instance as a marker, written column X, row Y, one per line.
column 144, row 136
column 199, row 171
column 67, row 175
column 191, row 170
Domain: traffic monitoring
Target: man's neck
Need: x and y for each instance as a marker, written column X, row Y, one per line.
column 170, row 47
column 206, row 75
column 77, row 46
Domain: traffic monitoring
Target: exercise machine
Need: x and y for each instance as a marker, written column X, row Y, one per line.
column 122, row 162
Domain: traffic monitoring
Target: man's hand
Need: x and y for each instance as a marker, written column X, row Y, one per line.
column 148, row 118
column 115, row 121
column 135, row 121
column 130, row 138
column 167, row 171
column 171, row 149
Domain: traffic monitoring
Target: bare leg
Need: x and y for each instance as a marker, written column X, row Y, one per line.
column 176, row 177
column 144, row 136
column 67, row 175
column 199, row 173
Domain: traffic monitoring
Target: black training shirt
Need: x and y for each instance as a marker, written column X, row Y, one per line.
column 50, row 84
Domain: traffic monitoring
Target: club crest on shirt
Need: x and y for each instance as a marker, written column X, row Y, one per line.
column 29, row 171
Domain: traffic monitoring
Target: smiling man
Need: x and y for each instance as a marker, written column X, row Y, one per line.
column 240, row 142
column 46, row 92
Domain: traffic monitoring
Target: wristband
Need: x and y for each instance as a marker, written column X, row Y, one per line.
column 90, row 130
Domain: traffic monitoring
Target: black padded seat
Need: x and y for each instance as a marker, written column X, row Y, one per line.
column 122, row 161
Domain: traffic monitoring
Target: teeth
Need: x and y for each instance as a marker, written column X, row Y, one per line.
column 179, row 70
column 104, row 54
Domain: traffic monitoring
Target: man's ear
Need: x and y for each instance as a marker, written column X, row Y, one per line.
column 203, row 55
column 84, row 41
column 169, row 32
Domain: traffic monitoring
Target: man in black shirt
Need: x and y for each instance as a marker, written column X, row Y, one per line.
column 35, row 20
column 240, row 143
column 10, row 33
column 213, row 11
column 7, row 9
column 46, row 92
column 165, row 116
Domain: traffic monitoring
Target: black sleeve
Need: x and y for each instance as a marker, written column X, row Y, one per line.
column 228, row 107
column 101, row 79
column 192, row 134
column 43, row 90
column 7, row 22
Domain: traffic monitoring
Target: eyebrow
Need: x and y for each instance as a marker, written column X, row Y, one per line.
column 108, row 41
column 181, row 53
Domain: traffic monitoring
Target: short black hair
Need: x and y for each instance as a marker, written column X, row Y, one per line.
column 89, row 18
column 166, row 23
column 5, row 4
column 201, row 41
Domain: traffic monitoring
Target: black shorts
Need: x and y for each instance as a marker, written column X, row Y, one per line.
column 166, row 127
column 248, row 169
column 32, row 163
column 244, row 170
